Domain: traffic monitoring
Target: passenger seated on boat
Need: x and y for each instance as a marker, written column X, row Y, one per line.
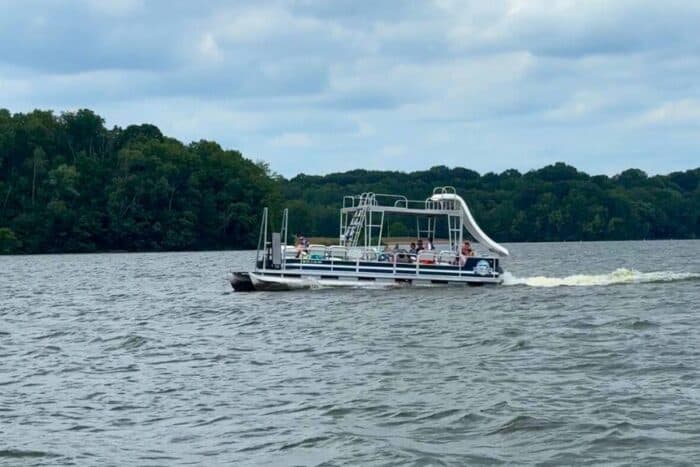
column 420, row 246
column 412, row 249
column 465, row 252
column 301, row 246
column 402, row 256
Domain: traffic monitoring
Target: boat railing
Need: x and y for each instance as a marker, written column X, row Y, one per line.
column 424, row 258
column 385, row 199
column 365, row 199
column 289, row 251
column 342, row 253
column 317, row 252
column 441, row 190
column 368, row 200
column 399, row 262
column 413, row 204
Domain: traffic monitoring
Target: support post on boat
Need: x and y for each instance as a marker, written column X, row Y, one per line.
column 362, row 260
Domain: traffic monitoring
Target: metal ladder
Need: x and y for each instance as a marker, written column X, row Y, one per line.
column 454, row 226
column 352, row 231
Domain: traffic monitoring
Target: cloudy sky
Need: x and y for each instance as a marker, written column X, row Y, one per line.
column 317, row 86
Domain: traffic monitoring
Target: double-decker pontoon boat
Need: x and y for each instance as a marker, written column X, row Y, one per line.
column 361, row 259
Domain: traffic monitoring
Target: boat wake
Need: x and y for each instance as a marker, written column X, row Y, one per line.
column 618, row 276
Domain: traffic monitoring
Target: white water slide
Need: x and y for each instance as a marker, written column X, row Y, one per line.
column 470, row 223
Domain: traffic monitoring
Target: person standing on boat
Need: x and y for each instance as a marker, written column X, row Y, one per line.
column 430, row 245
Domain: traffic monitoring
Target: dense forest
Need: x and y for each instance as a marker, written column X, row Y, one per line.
column 555, row 203
column 69, row 184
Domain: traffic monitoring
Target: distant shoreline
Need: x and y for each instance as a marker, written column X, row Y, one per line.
column 327, row 242
column 70, row 184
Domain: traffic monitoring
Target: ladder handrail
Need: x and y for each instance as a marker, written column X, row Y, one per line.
column 358, row 220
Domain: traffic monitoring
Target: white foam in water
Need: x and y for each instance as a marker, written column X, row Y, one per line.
column 618, row 276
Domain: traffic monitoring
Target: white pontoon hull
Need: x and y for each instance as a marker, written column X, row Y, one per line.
column 272, row 283
column 264, row 281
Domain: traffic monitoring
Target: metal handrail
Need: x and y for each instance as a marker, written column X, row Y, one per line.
column 444, row 189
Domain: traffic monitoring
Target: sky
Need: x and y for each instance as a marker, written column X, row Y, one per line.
column 320, row 86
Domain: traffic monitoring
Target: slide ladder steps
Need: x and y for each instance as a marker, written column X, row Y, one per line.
column 358, row 219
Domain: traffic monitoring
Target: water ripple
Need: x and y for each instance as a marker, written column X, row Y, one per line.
column 149, row 359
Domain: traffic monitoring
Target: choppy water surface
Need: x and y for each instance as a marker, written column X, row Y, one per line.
column 591, row 354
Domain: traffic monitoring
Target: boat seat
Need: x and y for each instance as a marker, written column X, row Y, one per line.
column 355, row 253
column 426, row 257
column 370, row 254
column 317, row 250
column 447, row 257
column 338, row 252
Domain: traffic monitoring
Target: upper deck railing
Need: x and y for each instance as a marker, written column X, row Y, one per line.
column 390, row 202
column 375, row 199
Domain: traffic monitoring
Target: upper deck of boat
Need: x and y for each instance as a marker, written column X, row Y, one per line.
column 397, row 204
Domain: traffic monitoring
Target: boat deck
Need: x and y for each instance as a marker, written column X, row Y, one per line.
column 475, row 269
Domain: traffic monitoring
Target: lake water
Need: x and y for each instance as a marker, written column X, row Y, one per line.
column 591, row 353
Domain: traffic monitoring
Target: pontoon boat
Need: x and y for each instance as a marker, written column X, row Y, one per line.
column 360, row 259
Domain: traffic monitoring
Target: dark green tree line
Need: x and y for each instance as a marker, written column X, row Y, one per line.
column 69, row 184
column 555, row 203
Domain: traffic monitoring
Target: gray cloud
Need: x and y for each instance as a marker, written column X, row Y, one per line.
column 402, row 84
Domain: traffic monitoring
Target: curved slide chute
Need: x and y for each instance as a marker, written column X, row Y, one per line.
column 470, row 223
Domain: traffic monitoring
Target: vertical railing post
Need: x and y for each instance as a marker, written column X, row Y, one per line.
column 285, row 233
column 261, row 243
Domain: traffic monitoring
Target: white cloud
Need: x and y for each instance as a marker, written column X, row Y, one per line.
column 292, row 140
column 490, row 85
column 114, row 7
column 680, row 112
column 365, row 129
column 209, row 49
column 580, row 105
column 393, row 150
